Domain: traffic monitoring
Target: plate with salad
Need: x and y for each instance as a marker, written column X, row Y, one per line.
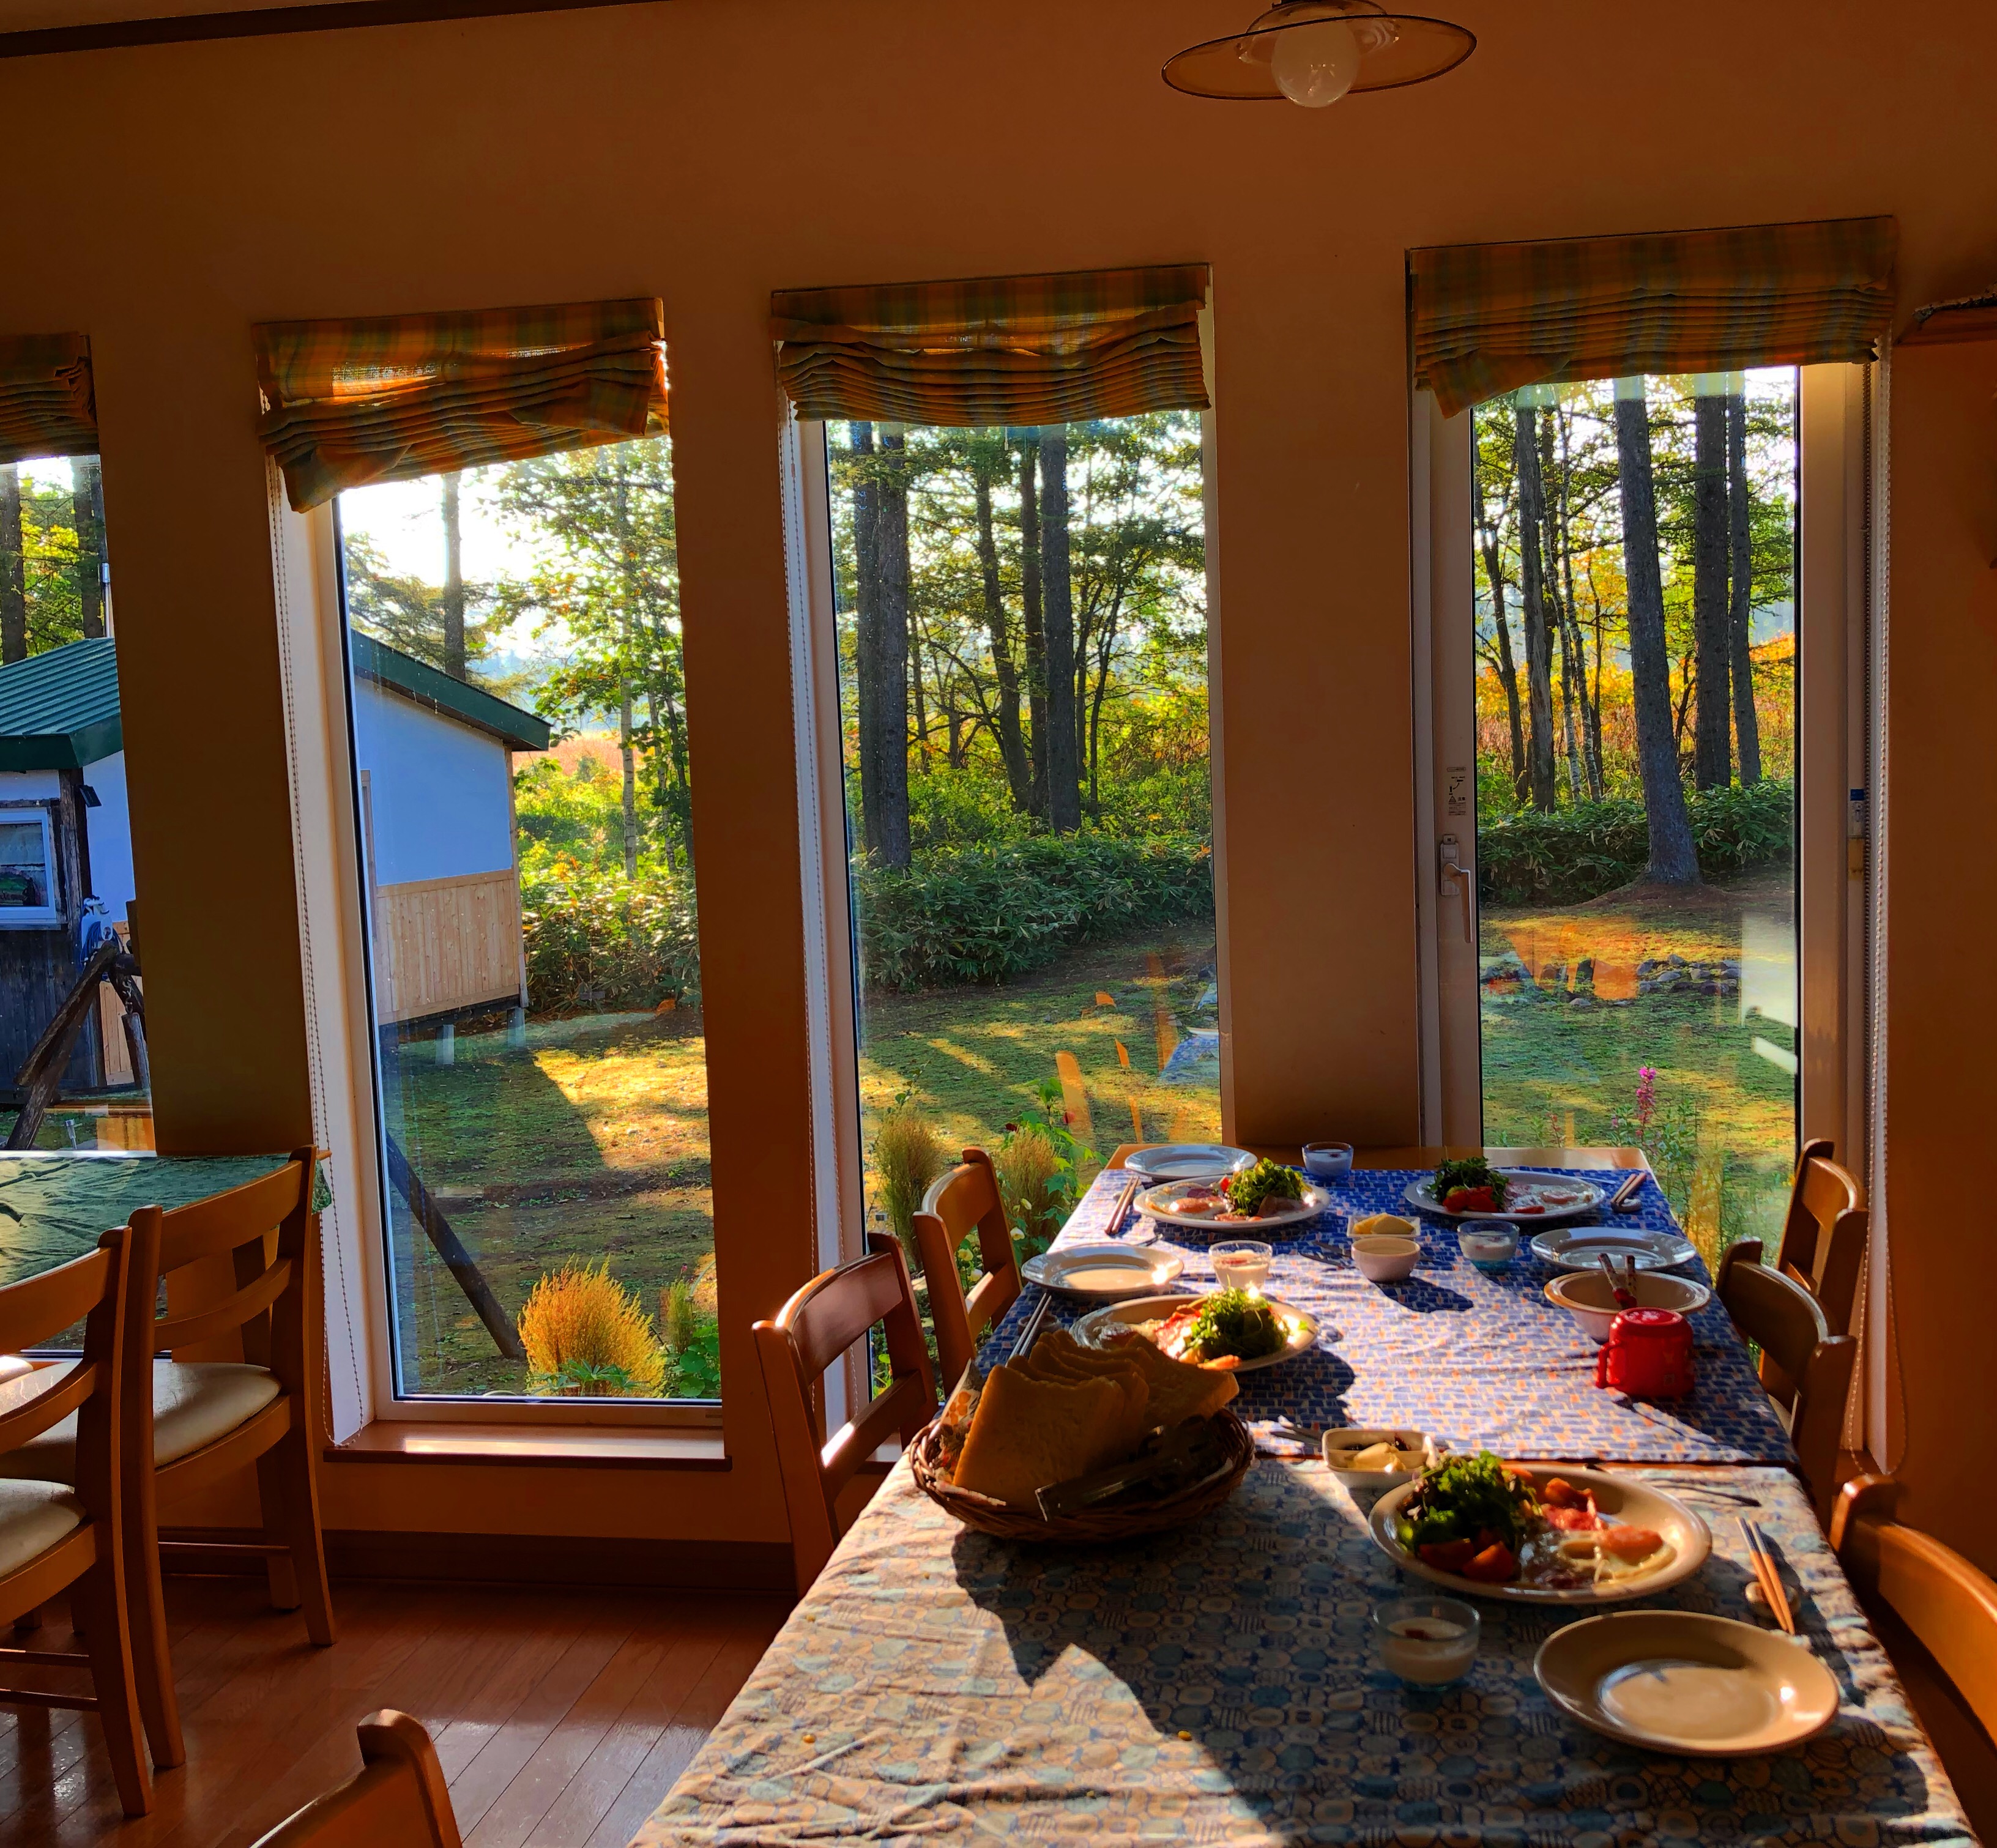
column 1268, row 1195
column 1539, row 1533
column 1237, row 1331
column 1473, row 1189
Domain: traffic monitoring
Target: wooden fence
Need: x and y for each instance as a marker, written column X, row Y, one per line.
column 441, row 944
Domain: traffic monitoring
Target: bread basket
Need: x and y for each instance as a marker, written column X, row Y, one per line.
column 1128, row 1519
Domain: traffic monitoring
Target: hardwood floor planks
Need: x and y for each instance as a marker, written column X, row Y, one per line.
column 558, row 1714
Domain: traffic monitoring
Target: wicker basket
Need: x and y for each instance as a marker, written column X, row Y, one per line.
column 1092, row 1526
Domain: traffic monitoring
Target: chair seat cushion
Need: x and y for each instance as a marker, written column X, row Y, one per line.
column 193, row 1403
column 33, row 1516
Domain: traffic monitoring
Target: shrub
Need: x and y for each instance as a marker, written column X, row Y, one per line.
column 907, row 1157
column 586, row 1334
column 593, row 940
column 980, row 915
column 1030, row 1173
column 1575, row 854
column 692, row 1344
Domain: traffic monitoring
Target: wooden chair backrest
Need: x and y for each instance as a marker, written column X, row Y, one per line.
column 96, row 1290
column 811, row 1332
column 1823, row 1237
column 1806, row 1368
column 398, row 1799
column 269, row 1301
column 966, row 1200
column 1948, row 1604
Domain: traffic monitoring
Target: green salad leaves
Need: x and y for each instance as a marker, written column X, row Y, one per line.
column 1232, row 1322
column 1464, row 1498
column 1266, row 1180
column 1473, row 1171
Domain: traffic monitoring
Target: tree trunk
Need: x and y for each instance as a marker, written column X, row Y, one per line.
column 1570, row 635
column 1539, row 632
column 1508, row 671
column 1064, row 773
column 1673, row 860
column 919, row 704
column 453, row 583
column 1712, row 755
column 13, row 570
column 86, row 500
column 1740, row 578
column 1006, row 670
column 881, row 646
column 1030, row 599
column 1553, row 509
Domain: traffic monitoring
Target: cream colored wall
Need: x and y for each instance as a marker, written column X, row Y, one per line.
column 711, row 150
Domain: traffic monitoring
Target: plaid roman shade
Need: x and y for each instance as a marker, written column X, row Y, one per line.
column 1002, row 349
column 48, row 405
column 350, row 403
column 1488, row 319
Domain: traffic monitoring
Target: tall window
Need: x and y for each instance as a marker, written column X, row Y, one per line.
column 1636, row 657
column 66, row 883
column 1023, row 688
column 519, row 726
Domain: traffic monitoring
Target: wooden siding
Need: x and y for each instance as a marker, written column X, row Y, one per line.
column 443, row 944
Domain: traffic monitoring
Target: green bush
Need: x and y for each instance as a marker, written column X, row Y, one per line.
column 981, row 914
column 1579, row 853
column 592, row 941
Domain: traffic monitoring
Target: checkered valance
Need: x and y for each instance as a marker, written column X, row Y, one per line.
column 1001, row 349
column 350, row 403
column 48, row 406
column 1488, row 319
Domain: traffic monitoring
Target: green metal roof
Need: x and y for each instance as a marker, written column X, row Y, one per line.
column 59, row 710
column 430, row 687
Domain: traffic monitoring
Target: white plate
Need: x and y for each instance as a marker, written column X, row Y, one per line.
column 1580, row 1248
column 1625, row 1501
column 1678, row 1681
column 1103, row 1273
column 1188, row 1160
column 1525, row 1187
column 1093, row 1330
column 1153, row 1203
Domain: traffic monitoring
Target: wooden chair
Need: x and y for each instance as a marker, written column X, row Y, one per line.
column 1948, row 1604
column 57, row 1536
column 1805, row 1367
column 1823, row 1237
column 397, row 1799
column 200, row 1420
column 965, row 1200
column 811, row 1331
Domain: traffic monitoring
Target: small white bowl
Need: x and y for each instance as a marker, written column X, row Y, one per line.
column 1327, row 1160
column 1386, row 1257
column 1489, row 1244
column 1348, row 1437
column 1587, row 1297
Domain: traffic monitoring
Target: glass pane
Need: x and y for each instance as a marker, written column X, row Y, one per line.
column 535, row 970
column 65, row 829
column 1023, row 684
column 1636, row 684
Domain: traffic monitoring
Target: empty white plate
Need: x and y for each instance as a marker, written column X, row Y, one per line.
column 1187, row 1160
column 1103, row 1273
column 1582, row 1249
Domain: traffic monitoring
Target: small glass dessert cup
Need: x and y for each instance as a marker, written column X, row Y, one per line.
column 1241, row 1264
column 1427, row 1641
column 1489, row 1244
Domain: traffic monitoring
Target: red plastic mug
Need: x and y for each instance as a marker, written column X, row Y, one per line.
column 1647, row 1355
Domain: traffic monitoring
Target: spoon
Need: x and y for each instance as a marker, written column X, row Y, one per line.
column 1624, row 1298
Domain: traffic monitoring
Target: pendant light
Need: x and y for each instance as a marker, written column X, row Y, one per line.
column 1314, row 51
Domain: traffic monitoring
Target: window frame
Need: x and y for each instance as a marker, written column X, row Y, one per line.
column 1836, row 718
column 36, row 917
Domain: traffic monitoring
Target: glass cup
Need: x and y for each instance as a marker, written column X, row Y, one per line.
column 1427, row 1641
column 1241, row 1264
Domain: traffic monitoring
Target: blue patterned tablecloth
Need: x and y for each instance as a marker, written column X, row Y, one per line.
column 1481, row 1361
column 1217, row 1685
column 53, row 1205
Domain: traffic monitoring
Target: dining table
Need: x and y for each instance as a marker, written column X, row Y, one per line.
column 54, row 1204
column 1218, row 1682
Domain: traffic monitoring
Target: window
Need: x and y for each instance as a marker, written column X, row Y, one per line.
column 519, row 722
column 1022, row 680
column 65, row 880
column 1623, row 752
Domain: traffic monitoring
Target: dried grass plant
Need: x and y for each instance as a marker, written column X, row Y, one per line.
column 907, row 1157
column 586, row 1334
column 1031, row 1169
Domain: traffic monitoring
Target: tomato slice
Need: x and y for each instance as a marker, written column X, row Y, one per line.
column 1448, row 1555
column 1493, row 1565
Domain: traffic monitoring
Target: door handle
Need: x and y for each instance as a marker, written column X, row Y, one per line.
column 1447, row 868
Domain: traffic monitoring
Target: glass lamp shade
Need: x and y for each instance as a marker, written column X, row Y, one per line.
column 1302, row 49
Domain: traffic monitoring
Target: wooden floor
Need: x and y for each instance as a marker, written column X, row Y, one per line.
column 562, row 1717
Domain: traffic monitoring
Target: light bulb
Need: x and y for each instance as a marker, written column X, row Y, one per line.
column 1315, row 64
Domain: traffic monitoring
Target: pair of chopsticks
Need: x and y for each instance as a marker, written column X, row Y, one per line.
column 1766, row 1574
column 1123, row 1206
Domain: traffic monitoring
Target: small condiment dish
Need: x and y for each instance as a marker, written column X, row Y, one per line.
column 1327, row 1160
column 1341, row 1445
column 1385, row 1257
column 1587, row 1296
column 1489, row 1244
